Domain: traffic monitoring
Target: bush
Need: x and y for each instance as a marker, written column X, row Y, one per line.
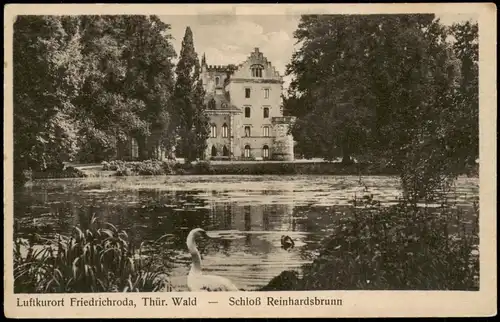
column 148, row 167
column 401, row 247
column 68, row 172
column 124, row 172
column 203, row 167
column 72, row 172
column 169, row 166
column 105, row 165
column 154, row 167
column 93, row 259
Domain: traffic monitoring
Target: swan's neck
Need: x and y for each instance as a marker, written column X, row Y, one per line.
column 195, row 255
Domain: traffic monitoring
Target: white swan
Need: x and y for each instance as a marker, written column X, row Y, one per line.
column 196, row 280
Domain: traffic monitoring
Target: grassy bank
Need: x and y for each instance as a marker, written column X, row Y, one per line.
column 155, row 167
column 96, row 258
column 152, row 167
column 396, row 248
column 66, row 172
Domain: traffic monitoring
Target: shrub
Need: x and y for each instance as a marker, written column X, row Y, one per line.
column 401, row 247
column 150, row 167
column 169, row 166
column 180, row 171
column 112, row 165
column 203, row 167
column 68, row 172
column 93, row 259
column 72, row 172
column 105, row 165
column 124, row 172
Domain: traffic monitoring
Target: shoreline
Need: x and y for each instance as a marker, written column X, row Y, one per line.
column 206, row 168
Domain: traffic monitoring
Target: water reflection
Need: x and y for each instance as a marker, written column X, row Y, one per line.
column 248, row 215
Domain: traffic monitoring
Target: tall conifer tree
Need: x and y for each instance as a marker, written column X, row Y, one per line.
column 191, row 121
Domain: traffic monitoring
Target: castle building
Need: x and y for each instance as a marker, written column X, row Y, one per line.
column 245, row 110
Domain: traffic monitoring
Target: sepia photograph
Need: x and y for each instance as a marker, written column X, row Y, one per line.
column 221, row 152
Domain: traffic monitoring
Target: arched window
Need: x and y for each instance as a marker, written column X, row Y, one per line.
column 214, row 151
column 247, row 131
column 265, row 152
column 211, row 104
column 225, row 151
column 265, row 131
column 224, row 130
column 266, row 112
column 247, row 151
column 217, row 80
column 213, row 131
column 247, row 111
column 257, row 71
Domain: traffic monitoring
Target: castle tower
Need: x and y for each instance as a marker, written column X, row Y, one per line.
column 283, row 142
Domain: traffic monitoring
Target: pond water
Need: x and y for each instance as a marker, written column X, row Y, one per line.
column 247, row 214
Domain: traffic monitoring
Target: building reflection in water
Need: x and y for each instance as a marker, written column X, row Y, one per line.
column 248, row 224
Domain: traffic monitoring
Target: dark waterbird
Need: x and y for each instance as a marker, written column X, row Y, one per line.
column 287, row 242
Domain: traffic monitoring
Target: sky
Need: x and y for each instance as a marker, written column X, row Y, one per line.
column 229, row 39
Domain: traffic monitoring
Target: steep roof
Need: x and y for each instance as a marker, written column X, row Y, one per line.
column 256, row 58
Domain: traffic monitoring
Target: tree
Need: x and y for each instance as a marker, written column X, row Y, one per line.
column 201, row 128
column 466, row 49
column 150, row 78
column 190, row 118
column 106, row 111
column 47, row 61
column 83, row 85
column 129, row 82
column 396, row 77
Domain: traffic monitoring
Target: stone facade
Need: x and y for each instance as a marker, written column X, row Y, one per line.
column 245, row 109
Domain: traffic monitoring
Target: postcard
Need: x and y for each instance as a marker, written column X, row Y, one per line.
column 238, row 160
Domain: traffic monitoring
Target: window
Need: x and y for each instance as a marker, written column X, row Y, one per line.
column 266, row 112
column 247, row 151
column 225, row 151
column 247, row 92
column 214, row 151
column 266, row 131
column 247, row 131
column 211, row 104
column 224, row 130
column 213, row 131
column 217, row 80
column 247, row 111
column 265, row 152
column 135, row 148
column 257, row 71
column 266, row 92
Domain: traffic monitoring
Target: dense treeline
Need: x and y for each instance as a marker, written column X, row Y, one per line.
column 400, row 89
column 84, row 85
